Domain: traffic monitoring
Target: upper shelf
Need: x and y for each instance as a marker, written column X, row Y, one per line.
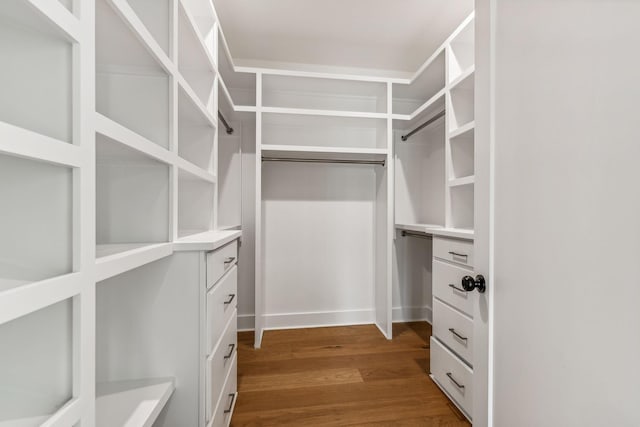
column 38, row 59
column 409, row 98
column 195, row 60
column 240, row 88
column 124, row 44
column 331, row 95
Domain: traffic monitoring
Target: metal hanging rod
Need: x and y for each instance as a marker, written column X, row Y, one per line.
column 228, row 128
column 341, row 161
column 424, row 125
column 406, row 233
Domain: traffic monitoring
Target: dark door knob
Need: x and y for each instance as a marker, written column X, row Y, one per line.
column 469, row 283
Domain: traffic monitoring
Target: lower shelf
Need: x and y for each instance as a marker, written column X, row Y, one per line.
column 114, row 259
column 135, row 403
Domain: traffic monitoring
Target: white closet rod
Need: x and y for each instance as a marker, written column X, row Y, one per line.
column 228, row 128
column 305, row 160
column 424, row 125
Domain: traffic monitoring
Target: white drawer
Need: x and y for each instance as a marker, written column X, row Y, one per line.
column 227, row 402
column 447, row 286
column 221, row 303
column 221, row 260
column 219, row 363
column 454, row 250
column 452, row 375
column 454, row 329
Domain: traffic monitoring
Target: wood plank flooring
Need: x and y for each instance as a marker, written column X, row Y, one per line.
column 340, row 376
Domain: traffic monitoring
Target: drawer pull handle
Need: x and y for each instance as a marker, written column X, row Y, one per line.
column 454, row 332
column 232, row 347
column 452, row 286
column 232, row 296
column 229, row 260
column 457, row 254
column 454, row 381
column 233, row 399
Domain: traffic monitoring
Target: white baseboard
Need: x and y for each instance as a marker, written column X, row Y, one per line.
column 318, row 319
column 246, row 322
column 412, row 314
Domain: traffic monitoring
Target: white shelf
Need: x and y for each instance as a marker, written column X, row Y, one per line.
column 135, row 403
column 124, row 46
column 467, row 180
column 57, row 14
column 21, row 142
column 30, row 297
column 462, row 129
column 205, row 241
column 195, row 62
column 118, row 258
column 461, row 81
column 191, row 95
column 437, row 230
column 289, row 151
column 115, row 131
column 25, row 422
column 426, row 111
column 313, row 112
column 408, row 98
column 194, row 171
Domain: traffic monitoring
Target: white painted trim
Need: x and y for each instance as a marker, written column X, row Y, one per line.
column 118, row 263
column 31, row 297
column 65, row 416
column 319, row 319
column 412, row 314
column 60, row 16
column 246, row 322
column 21, row 142
column 191, row 94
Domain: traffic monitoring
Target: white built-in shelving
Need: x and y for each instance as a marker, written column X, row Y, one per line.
column 132, row 402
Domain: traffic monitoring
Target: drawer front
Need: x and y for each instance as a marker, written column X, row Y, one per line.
column 454, row 250
column 219, row 261
column 219, row 363
column 454, row 329
column 224, row 411
column 452, row 375
column 447, row 286
column 221, row 304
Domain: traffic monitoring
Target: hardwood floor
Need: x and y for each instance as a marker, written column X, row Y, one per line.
column 340, row 376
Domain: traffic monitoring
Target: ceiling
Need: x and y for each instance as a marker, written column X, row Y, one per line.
column 395, row 35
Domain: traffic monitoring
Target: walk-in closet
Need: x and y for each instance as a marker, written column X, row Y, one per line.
column 224, row 213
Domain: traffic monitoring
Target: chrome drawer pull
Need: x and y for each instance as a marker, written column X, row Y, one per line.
column 452, row 286
column 230, row 299
column 233, row 398
column 454, row 332
column 229, row 260
column 460, row 255
column 231, row 346
column 454, row 381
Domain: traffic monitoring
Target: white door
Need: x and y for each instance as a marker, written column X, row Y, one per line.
column 482, row 220
column 565, row 288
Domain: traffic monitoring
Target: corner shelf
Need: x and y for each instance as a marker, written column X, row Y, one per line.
column 135, row 403
column 426, row 85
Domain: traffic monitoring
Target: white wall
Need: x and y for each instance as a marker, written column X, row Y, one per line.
column 567, row 213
